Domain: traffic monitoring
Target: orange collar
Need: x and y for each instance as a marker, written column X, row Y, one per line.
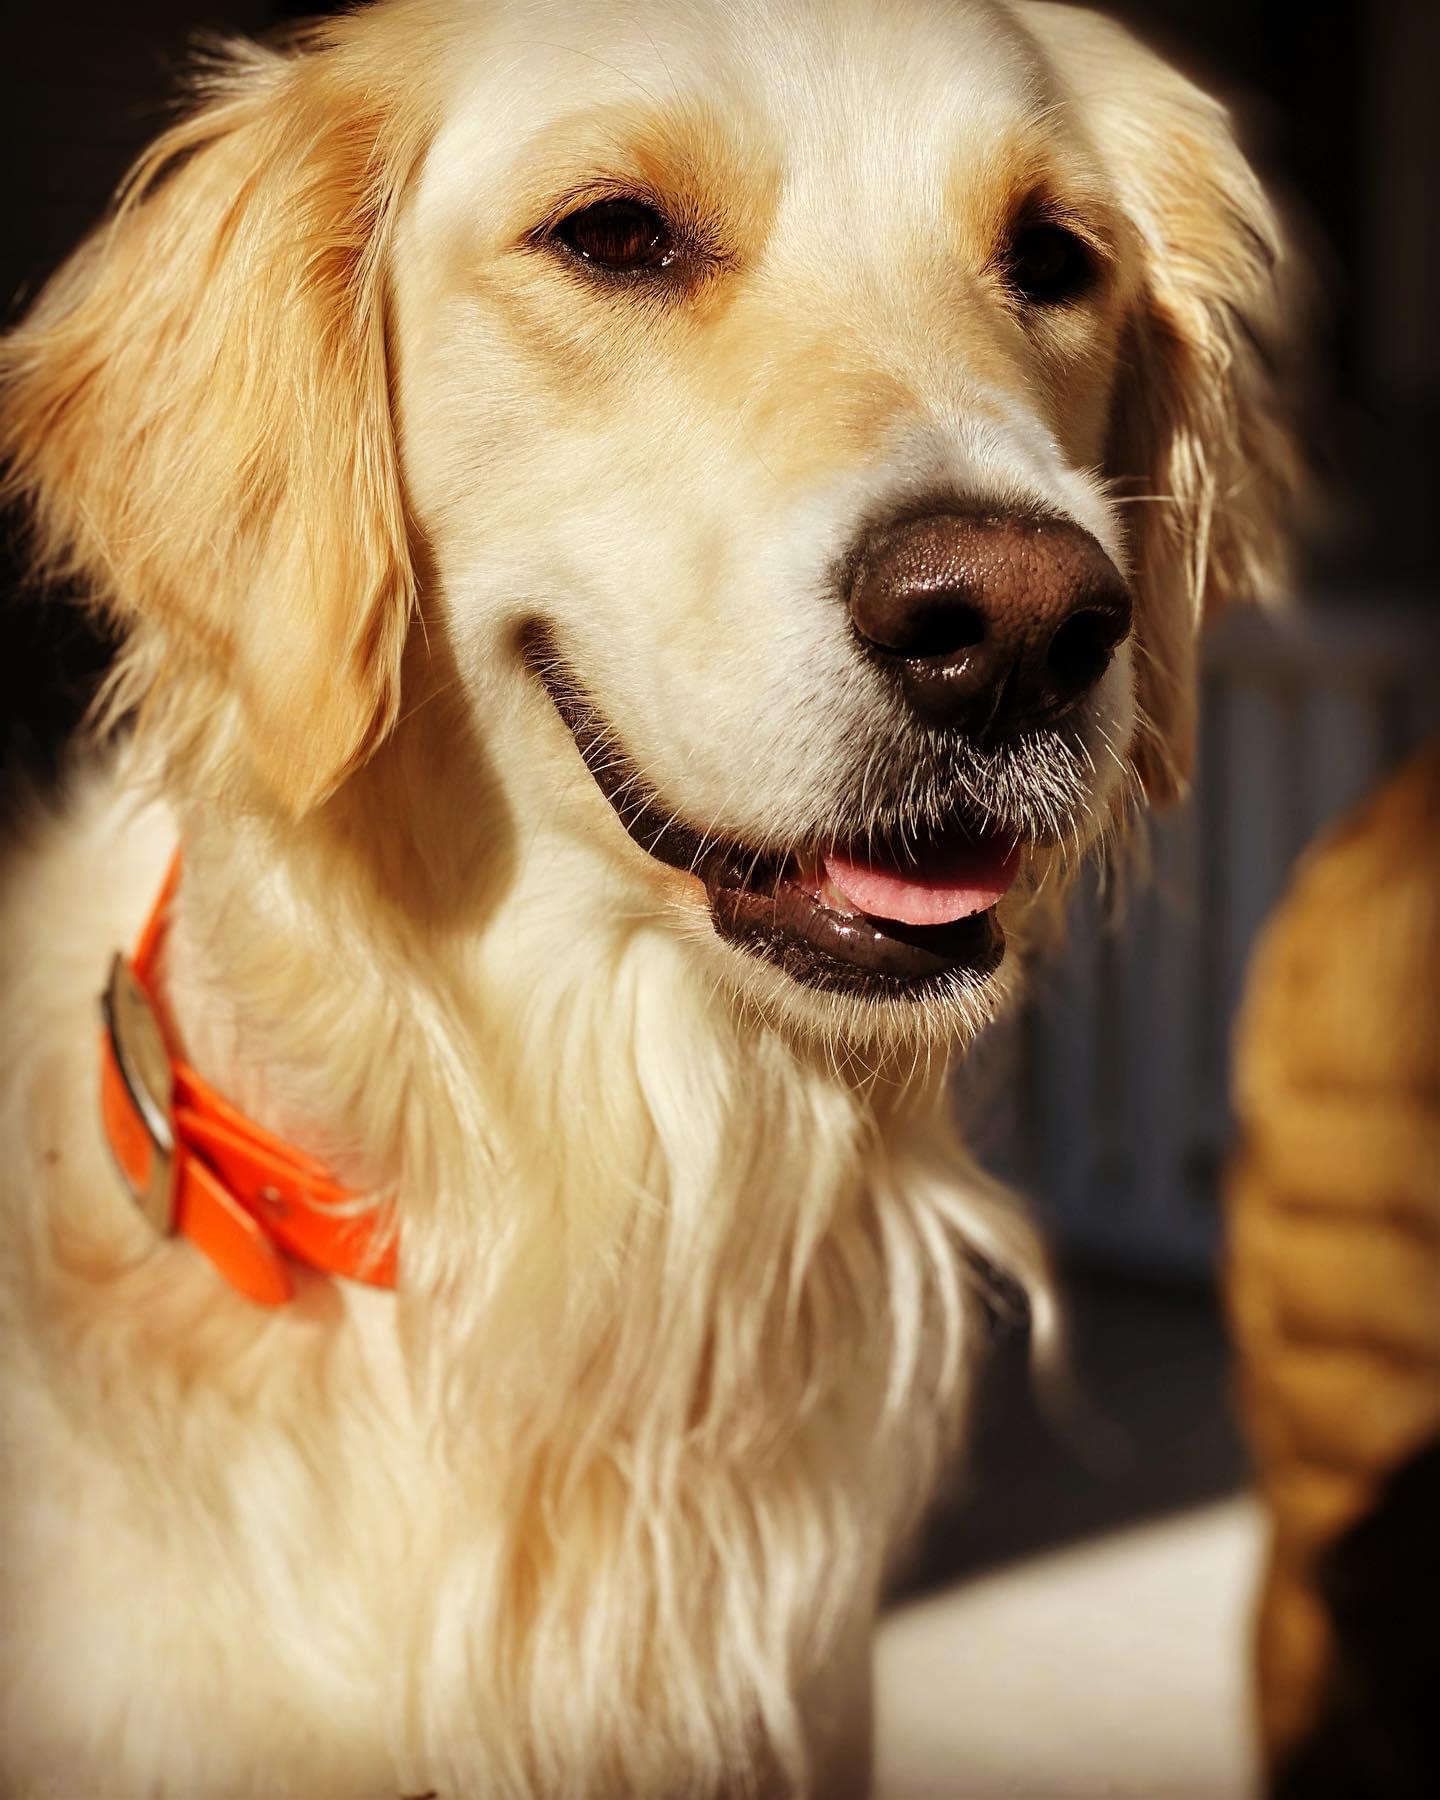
column 197, row 1167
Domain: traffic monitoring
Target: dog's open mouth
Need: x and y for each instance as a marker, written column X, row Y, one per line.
column 874, row 920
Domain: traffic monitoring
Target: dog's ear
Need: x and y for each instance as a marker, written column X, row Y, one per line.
column 197, row 413
column 1202, row 455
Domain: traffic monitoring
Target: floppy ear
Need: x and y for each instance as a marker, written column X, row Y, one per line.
column 1201, row 453
column 197, row 413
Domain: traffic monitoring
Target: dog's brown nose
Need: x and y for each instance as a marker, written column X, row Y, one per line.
column 992, row 625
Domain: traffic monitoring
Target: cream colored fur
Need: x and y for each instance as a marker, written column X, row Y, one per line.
column 600, row 1502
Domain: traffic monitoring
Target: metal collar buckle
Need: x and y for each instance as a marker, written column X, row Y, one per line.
column 143, row 1061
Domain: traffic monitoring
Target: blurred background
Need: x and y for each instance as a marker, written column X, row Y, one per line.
column 1091, row 1580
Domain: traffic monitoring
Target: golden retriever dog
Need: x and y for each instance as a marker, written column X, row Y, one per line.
column 651, row 539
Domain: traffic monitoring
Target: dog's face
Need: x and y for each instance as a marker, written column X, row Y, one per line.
column 754, row 374
column 773, row 391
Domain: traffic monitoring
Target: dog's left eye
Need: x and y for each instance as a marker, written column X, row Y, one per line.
column 623, row 237
column 1047, row 265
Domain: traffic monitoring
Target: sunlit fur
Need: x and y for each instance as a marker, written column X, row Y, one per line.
column 600, row 1502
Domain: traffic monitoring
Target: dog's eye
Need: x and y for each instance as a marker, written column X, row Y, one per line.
column 623, row 237
column 1047, row 265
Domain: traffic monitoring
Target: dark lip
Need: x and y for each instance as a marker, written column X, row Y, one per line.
column 752, row 902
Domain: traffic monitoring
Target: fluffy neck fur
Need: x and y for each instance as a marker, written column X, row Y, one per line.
column 682, row 1308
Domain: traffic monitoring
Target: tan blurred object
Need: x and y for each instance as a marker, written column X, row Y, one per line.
column 1334, row 1215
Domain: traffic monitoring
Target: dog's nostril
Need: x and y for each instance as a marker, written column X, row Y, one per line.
column 1080, row 650
column 944, row 625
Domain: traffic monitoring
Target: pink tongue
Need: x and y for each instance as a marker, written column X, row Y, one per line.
column 949, row 882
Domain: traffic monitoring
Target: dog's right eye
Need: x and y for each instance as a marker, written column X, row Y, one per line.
column 622, row 237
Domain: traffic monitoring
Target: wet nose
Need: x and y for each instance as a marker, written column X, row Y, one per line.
column 990, row 625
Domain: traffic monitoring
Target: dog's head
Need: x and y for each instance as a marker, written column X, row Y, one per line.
column 804, row 435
